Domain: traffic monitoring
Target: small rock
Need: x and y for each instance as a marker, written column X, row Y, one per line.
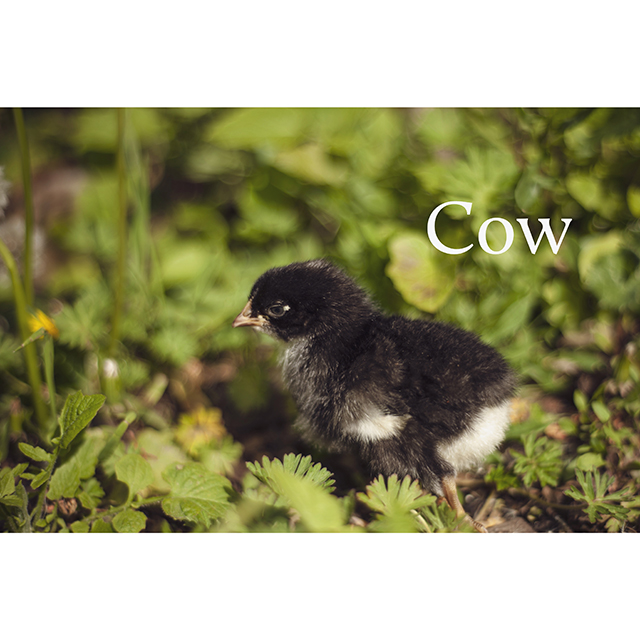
column 514, row 525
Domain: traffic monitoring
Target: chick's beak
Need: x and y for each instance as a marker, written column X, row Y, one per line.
column 244, row 318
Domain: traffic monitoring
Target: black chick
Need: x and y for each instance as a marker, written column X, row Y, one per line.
column 411, row 397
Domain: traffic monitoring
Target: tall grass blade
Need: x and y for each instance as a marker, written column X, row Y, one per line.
column 29, row 222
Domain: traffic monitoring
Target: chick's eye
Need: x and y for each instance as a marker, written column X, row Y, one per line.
column 277, row 310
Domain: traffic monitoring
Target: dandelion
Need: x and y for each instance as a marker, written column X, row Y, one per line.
column 41, row 320
column 200, row 427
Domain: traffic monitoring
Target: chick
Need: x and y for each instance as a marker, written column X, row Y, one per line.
column 411, row 397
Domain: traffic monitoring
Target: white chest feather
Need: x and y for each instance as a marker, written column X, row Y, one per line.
column 484, row 434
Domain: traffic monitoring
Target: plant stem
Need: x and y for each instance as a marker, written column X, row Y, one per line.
column 47, row 351
column 30, row 354
column 122, row 236
column 115, row 510
column 545, row 503
column 28, row 205
column 38, row 511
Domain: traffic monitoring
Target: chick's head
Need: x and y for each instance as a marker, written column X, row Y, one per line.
column 302, row 300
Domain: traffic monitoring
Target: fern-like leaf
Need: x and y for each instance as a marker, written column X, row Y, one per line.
column 541, row 461
column 293, row 465
column 395, row 503
column 594, row 487
column 312, row 505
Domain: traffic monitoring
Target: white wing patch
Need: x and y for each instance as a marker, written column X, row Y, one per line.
column 374, row 425
column 484, row 434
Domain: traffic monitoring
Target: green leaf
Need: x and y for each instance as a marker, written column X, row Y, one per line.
column 594, row 194
column 100, row 526
column 542, row 460
column 318, row 510
column 395, row 494
column 221, row 456
column 440, row 518
column 310, row 163
column 7, row 482
column 580, row 400
column 19, row 468
column 196, row 494
column 11, row 501
column 40, row 479
column 633, row 200
column 514, row 318
column 162, row 451
column 595, row 486
column 615, row 281
column 65, row 480
column 262, row 219
column 80, row 527
column 294, row 465
column 394, row 501
column 595, row 247
column 585, row 188
column 529, row 190
column 587, row 485
column 483, row 177
column 600, row 409
column 35, row 453
column 419, row 274
column 36, row 335
column 87, row 456
column 129, row 521
column 172, row 347
column 8, row 488
column 78, row 411
column 588, row 461
column 91, row 494
column 22, row 521
column 441, row 128
column 502, row 478
column 135, row 472
column 112, row 442
column 258, row 127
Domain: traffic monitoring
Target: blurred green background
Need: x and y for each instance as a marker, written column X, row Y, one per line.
column 229, row 193
column 217, row 196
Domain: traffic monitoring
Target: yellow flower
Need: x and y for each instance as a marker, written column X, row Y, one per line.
column 198, row 428
column 42, row 321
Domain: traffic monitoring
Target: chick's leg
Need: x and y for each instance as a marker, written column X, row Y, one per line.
column 451, row 496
